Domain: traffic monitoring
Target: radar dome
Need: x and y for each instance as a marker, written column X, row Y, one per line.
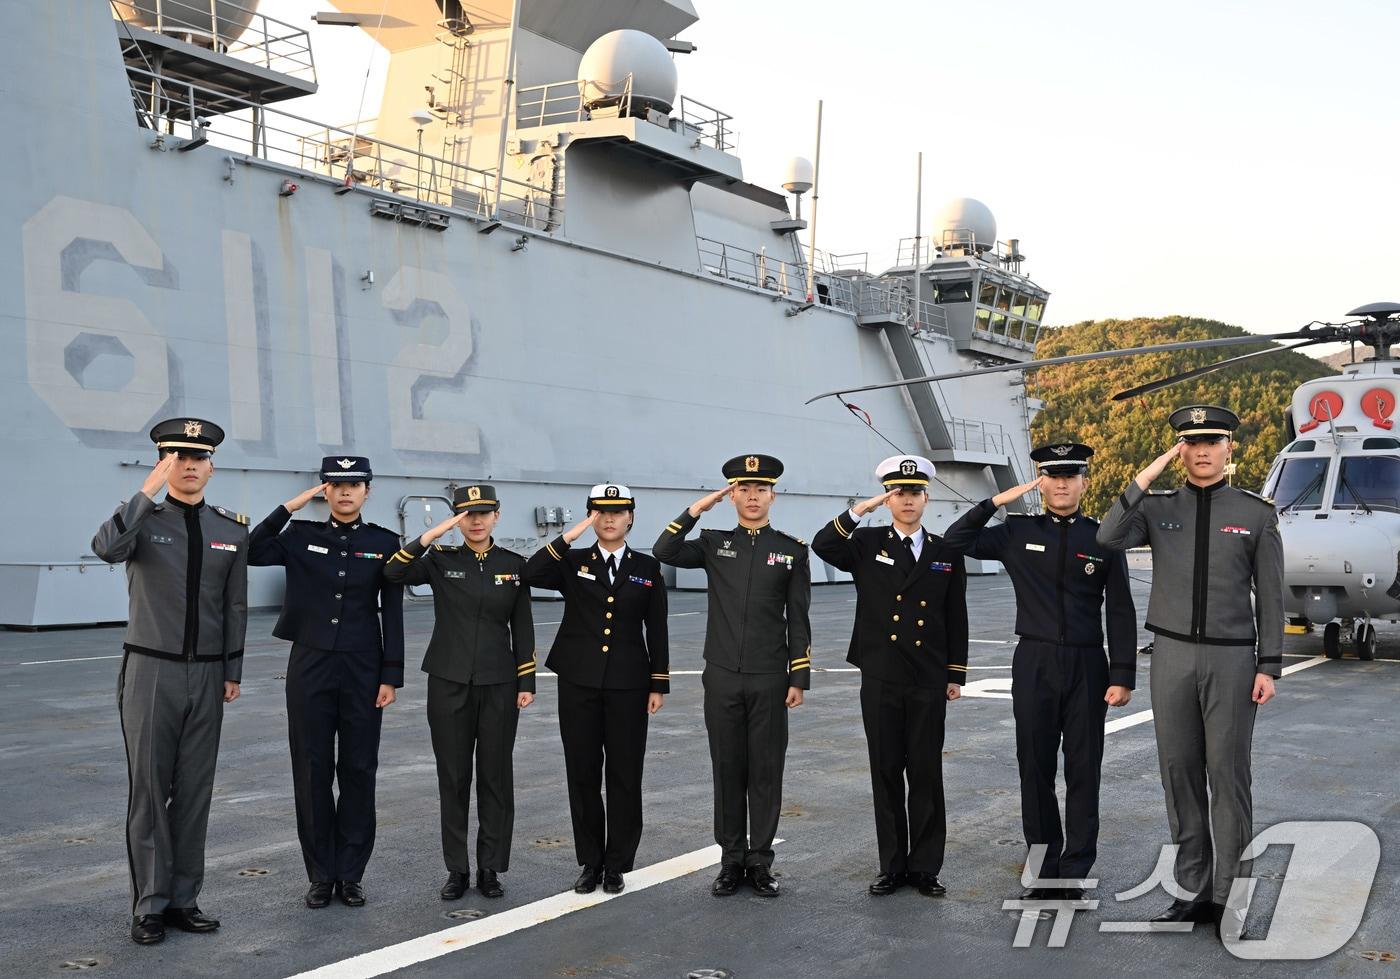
column 797, row 175
column 191, row 17
column 964, row 221
column 610, row 59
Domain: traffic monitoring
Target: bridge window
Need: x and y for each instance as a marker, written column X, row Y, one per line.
column 1035, row 310
column 1370, row 480
column 1298, row 484
column 988, row 294
column 957, row 291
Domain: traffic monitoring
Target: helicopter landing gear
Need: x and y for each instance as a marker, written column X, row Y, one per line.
column 1366, row 641
column 1332, row 640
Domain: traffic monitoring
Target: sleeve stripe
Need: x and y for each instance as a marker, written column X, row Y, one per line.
column 526, row 669
column 661, row 676
column 803, row 666
column 839, row 529
column 552, row 552
column 673, row 527
column 955, row 666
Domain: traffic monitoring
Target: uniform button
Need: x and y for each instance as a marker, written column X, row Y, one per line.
column 335, row 622
column 610, row 599
column 921, row 622
column 899, row 598
column 922, row 604
column 609, row 615
column 896, row 618
column 342, row 574
column 605, row 649
column 893, row 638
column 342, row 553
column 607, row 632
column 918, row 642
column 337, row 594
column 342, row 537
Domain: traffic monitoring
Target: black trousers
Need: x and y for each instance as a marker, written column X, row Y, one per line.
column 330, row 699
column 746, row 719
column 1057, row 695
column 605, row 736
column 904, row 732
column 474, row 722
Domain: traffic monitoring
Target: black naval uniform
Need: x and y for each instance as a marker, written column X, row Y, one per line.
column 345, row 624
column 611, row 651
column 481, row 654
column 1065, row 583
column 758, row 642
column 910, row 642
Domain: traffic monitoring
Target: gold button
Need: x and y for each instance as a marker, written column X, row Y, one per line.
column 899, row 598
column 610, row 599
column 921, row 622
column 922, row 604
column 896, row 618
column 893, row 638
column 605, row 649
column 609, row 615
column 607, row 632
column 918, row 642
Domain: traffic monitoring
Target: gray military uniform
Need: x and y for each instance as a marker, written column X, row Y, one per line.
column 1217, row 612
column 187, row 576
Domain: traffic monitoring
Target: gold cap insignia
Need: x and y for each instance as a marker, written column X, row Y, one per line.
column 908, row 467
column 473, row 492
column 1198, row 415
column 751, row 464
column 193, row 429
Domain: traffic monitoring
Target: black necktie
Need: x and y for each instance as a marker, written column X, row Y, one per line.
column 908, row 554
column 612, row 568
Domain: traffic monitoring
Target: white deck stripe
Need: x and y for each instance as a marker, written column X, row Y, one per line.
column 440, row 943
column 76, row 659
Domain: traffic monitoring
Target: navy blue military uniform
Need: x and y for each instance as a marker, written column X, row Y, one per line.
column 610, row 653
column 910, row 642
column 345, row 623
column 1066, row 583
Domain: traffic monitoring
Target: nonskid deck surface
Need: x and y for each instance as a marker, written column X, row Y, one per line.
column 1326, row 748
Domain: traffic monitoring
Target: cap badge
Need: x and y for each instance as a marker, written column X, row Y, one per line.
column 473, row 492
column 751, row 464
column 345, row 463
column 1061, row 450
column 908, row 467
column 610, row 492
column 1198, row 415
column 193, row 429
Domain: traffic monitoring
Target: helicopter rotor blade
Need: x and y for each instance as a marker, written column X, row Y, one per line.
column 1163, row 382
column 1030, row 365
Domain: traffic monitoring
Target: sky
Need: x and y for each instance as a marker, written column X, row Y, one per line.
column 1230, row 160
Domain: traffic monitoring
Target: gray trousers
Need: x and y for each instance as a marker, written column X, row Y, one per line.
column 171, row 713
column 1204, row 717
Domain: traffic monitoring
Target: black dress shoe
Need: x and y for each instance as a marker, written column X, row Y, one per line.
column 147, row 929
column 1070, row 894
column 352, row 893
column 488, row 884
column 587, row 881
column 727, row 882
column 931, row 886
column 456, row 886
column 886, row 884
column 1180, row 910
column 318, row 895
column 612, row 882
column 190, row 919
column 762, row 882
column 1036, row 894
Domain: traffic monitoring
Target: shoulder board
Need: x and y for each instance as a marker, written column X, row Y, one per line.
column 308, row 523
column 447, row 548
column 1170, row 492
column 1258, row 496
column 1089, row 519
column 238, row 518
column 1026, row 516
column 784, row 533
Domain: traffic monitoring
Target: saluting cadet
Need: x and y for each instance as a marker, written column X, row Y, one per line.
column 910, row 643
column 1061, row 684
column 187, row 574
column 481, row 674
column 345, row 624
column 758, row 658
column 612, row 660
column 1216, row 655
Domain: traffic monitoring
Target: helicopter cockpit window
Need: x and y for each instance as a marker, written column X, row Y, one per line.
column 1369, row 482
column 1380, row 443
column 1305, row 445
column 1299, row 483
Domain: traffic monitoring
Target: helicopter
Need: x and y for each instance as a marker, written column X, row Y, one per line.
column 1335, row 484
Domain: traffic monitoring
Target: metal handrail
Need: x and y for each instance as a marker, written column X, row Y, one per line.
column 562, row 102
column 265, row 41
column 178, row 107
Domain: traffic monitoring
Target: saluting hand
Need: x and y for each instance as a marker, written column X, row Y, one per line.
column 159, row 475
column 434, row 533
column 872, row 504
column 301, row 499
column 1016, row 492
column 709, row 500
column 1159, row 465
column 386, row 695
column 576, row 531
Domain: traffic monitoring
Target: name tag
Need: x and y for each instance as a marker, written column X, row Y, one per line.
column 217, row 546
column 884, row 559
column 508, row 579
column 454, row 574
column 639, row 581
column 941, row 566
column 725, row 552
column 370, row 554
column 1235, row 530
column 590, row 577
column 1035, row 547
column 318, row 550
column 158, row 539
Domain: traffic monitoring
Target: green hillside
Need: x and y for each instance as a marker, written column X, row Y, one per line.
column 1129, row 434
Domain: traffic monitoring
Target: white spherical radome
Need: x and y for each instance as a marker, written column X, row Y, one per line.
column 798, row 175
column 962, row 215
column 191, row 16
column 610, row 59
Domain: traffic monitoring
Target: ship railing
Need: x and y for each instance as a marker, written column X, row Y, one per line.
column 1004, row 253
column 265, row 41
column 891, row 297
column 848, row 263
column 735, row 264
column 579, row 99
column 976, row 435
column 174, row 107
